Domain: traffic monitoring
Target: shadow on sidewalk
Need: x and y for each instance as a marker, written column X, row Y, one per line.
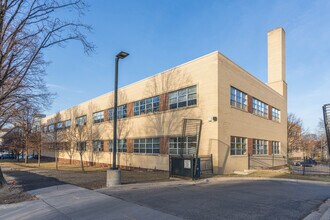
column 32, row 181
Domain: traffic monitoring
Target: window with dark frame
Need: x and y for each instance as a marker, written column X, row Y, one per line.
column 121, row 145
column 276, row 147
column 238, row 98
column 81, row 120
column 146, row 106
column 147, row 145
column 98, row 117
column 121, row 112
column 259, row 108
column 67, row 123
column 98, row 145
column 183, row 97
column 259, row 147
column 237, row 146
column 276, row 114
column 189, row 145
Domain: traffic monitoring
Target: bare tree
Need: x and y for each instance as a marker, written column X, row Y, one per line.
column 27, row 28
column 295, row 132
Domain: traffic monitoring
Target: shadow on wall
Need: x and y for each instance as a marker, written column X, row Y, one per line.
column 218, row 147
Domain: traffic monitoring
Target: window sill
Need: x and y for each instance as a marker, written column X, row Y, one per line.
column 243, row 110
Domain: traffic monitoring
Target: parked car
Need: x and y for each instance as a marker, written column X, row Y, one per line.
column 306, row 163
column 7, row 156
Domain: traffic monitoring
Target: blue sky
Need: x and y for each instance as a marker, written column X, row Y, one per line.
column 162, row 34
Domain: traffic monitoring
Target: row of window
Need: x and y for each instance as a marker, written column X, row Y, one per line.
column 238, row 146
column 238, row 99
column 146, row 145
column 177, row 99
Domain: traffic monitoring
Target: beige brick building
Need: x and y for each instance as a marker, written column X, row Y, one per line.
column 248, row 127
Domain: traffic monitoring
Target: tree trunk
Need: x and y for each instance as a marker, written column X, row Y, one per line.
column 2, row 179
column 39, row 155
column 56, row 159
column 82, row 163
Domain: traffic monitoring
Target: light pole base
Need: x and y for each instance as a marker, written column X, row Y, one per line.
column 113, row 177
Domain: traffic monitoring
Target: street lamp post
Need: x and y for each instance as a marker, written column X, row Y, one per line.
column 120, row 55
column 113, row 176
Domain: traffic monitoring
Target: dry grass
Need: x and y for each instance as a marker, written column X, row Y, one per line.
column 93, row 178
column 13, row 194
column 48, row 166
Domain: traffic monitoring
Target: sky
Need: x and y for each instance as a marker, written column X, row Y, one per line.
column 161, row 34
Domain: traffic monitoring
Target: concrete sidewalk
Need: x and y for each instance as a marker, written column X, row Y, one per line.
column 72, row 202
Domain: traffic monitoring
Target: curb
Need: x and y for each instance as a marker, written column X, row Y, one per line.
column 322, row 213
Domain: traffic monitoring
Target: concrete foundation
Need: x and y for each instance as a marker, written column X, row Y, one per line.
column 113, row 177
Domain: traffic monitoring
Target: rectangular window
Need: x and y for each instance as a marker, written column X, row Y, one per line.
column 259, row 147
column 238, row 146
column 45, row 129
column 98, row 117
column 183, row 97
column 81, row 120
column 59, row 125
column 147, row 145
column 259, row 108
column 276, row 114
column 81, row 146
column 121, row 146
column 68, row 123
column 186, row 146
column 238, row 98
column 146, row 106
column 276, row 147
column 98, row 146
column 121, row 112
column 51, row 128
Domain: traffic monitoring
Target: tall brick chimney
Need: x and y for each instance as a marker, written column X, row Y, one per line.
column 276, row 61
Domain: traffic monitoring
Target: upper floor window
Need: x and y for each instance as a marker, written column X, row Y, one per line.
column 121, row 145
column 147, row 145
column 81, row 120
column 259, row 146
column 186, row 146
column 121, row 112
column 68, row 123
column 98, row 145
column 59, row 125
column 51, row 128
column 146, row 106
column 259, row 108
column 98, row 116
column 183, row 97
column 237, row 146
column 276, row 114
column 276, row 147
column 45, row 129
column 238, row 98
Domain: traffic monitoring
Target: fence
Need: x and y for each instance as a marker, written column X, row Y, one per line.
column 310, row 167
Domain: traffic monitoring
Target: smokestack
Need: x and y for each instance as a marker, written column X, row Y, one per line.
column 276, row 60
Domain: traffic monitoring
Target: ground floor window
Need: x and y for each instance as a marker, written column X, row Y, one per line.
column 81, row 146
column 98, row 146
column 237, row 146
column 179, row 145
column 147, row 145
column 121, row 145
column 259, row 146
column 276, row 147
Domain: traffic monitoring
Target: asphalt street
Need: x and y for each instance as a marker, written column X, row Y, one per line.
column 241, row 199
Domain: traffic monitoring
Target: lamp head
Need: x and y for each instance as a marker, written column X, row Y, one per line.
column 122, row 54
